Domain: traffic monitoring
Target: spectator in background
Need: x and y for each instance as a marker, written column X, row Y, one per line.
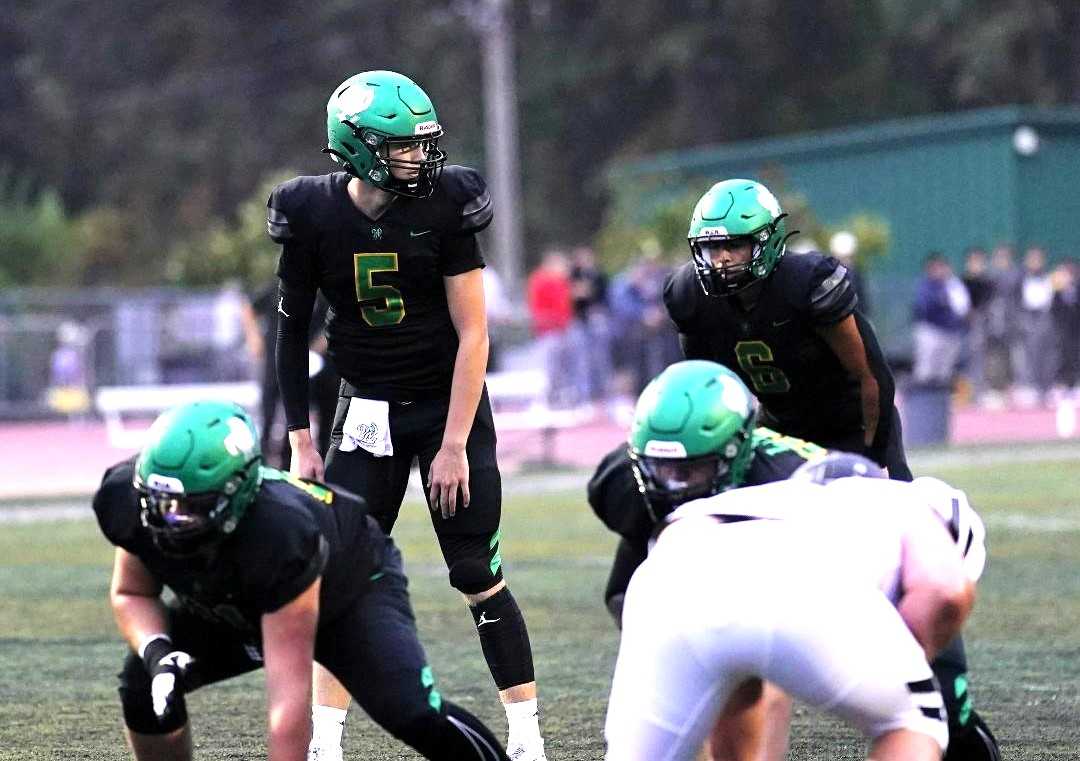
column 1066, row 313
column 1039, row 355
column 645, row 338
column 551, row 310
column 1001, row 319
column 980, row 289
column 232, row 358
column 69, row 377
column 590, row 331
column 940, row 314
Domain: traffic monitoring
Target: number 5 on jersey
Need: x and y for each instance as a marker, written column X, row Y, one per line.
column 392, row 309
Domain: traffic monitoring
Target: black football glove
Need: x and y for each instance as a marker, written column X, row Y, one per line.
column 167, row 668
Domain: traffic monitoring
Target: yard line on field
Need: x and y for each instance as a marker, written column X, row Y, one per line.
column 930, row 459
column 579, row 561
column 66, row 512
column 1040, row 524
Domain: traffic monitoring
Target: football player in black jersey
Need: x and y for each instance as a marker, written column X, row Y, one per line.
column 788, row 325
column 634, row 487
column 391, row 243
column 266, row 570
column 694, row 435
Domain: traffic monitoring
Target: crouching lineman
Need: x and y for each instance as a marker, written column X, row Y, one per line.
column 838, row 593
column 267, row 570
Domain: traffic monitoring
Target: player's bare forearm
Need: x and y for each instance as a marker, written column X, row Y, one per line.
column 470, row 366
column 135, row 600
column 289, row 645
column 935, row 615
column 871, row 407
column 465, row 300
column 846, row 343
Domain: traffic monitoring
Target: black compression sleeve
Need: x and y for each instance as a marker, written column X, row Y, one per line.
column 294, row 321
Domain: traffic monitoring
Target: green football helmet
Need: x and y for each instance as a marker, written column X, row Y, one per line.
column 371, row 118
column 691, row 435
column 197, row 474
column 734, row 213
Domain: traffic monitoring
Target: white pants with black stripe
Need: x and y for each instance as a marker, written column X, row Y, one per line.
column 699, row 621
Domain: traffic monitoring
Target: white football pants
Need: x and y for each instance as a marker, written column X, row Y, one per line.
column 707, row 611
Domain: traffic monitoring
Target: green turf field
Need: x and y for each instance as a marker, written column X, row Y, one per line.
column 59, row 650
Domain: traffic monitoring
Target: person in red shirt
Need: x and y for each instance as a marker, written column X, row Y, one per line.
column 551, row 310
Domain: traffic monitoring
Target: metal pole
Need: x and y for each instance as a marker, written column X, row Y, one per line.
column 501, row 138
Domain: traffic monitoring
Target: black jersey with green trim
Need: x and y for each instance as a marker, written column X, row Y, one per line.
column 774, row 346
column 294, row 532
column 389, row 330
column 615, row 498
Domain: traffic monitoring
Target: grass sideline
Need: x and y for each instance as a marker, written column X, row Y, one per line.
column 59, row 650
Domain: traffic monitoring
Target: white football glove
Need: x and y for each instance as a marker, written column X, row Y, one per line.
column 167, row 668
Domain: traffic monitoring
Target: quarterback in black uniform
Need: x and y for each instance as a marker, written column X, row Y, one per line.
column 788, row 325
column 266, row 569
column 391, row 243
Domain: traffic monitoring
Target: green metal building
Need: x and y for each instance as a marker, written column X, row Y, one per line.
column 942, row 183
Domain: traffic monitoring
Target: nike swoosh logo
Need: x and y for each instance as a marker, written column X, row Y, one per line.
column 415, row 234
column 778, row 323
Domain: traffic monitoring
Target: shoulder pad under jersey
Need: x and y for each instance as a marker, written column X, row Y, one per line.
column 287, row 203
column 468, row 192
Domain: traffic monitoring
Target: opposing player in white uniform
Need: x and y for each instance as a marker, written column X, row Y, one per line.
column 837, row 593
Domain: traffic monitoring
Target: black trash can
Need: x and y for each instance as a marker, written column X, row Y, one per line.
column 925, row 414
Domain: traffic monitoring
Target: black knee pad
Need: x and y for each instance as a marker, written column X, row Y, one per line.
column 473, row 576
column 137, row 704
column 504, row 639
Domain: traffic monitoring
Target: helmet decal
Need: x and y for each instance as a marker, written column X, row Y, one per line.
column 239, row 440
column 656, row 448
column 165, row 483
column 768, row 201
column 734, row 395
column 354, row 100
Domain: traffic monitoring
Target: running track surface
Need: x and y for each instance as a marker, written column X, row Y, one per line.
column 47, row 460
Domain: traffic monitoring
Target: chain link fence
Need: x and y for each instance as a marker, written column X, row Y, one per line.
column 57, row 347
